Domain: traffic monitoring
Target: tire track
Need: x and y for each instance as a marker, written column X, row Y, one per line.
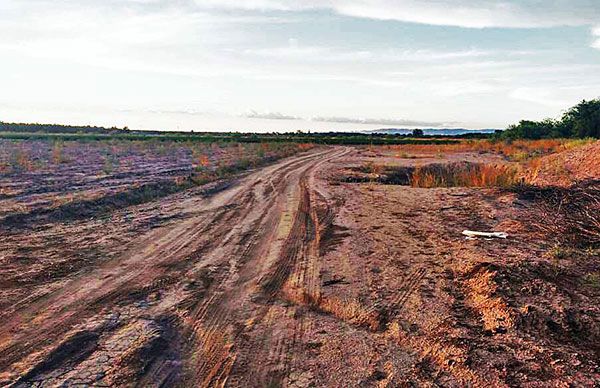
column 278, row 326
column 226, row 325
column 213, row 281
column 407, row 289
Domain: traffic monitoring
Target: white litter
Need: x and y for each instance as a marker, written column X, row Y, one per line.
column 471, row 235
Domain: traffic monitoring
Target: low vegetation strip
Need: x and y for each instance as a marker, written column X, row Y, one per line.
column 329, row 138
column 42, row 181
column 460, row 174
column 464, row 175
column 511, row 150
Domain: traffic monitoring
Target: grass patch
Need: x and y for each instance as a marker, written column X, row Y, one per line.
column 464, row 175
column 517, row 150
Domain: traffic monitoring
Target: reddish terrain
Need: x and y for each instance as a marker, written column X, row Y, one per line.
column 569, row 167
column 289, row 276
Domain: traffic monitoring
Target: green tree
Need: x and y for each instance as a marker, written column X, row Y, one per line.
column 527, row 129
column 583, row 120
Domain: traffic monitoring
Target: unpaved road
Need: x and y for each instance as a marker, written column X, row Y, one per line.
column 193, row 303
column 291, row 278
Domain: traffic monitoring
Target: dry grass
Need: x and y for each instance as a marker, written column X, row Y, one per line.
column 525, row 162
column 212, row 162
column 464, row 175
column 518, row 150
column 57, row 153
column 22, row 160
column 571, row 215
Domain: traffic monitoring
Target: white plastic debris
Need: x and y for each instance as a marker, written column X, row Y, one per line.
column 487, row 235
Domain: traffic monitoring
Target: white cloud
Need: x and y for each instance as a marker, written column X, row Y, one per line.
column 476, row 13
column 461, row 13
column 298, row 53
column 268, row 115
column 555, row 97
column 252, row 114
column 385, row 122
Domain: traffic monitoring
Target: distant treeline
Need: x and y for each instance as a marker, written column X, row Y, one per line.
column 296, row 137
column 20, row 131
column 335, row 136
column 57, row 128
column 580, row 121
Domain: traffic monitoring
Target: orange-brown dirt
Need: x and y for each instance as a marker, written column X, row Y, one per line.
column 289, row 277
column 569, row 167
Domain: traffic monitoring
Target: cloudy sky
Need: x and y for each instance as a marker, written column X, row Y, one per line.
column 275, row 65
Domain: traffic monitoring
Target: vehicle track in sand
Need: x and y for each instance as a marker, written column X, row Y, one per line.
column 196, row 303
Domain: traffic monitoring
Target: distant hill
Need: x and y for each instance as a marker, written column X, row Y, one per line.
column 432, row 131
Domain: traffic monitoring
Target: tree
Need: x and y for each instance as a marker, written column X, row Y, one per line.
column 527, row 129
column 418, row 132
column 583, row 120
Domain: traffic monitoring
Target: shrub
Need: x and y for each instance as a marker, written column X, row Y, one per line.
column 571, row 215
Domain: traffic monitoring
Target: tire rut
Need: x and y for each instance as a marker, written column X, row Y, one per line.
column 209, row 276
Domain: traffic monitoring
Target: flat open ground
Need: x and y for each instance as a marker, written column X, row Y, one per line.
column 293, row 275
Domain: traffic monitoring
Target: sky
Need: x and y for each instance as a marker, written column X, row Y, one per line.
column 280, row 65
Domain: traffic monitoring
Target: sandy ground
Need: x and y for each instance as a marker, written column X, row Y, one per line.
column 289, row 278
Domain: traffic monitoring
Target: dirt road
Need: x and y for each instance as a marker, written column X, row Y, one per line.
column 193, row 303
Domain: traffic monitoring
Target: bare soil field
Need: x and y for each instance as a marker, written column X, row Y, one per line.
column 314, row 270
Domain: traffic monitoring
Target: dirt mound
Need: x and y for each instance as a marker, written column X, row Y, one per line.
column 568, row 167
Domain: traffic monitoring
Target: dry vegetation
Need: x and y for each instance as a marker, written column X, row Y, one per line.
column 518, row 162
column 517, row 150
column 464, row 175
column 41, row 176
column 570, row 214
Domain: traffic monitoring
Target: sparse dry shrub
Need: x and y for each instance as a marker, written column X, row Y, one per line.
column 305, row 146
column 203, row 161
column 63, row 200
column 570, row 215
column 21, row 160
column 57, row 156
column 181, row 180
column 592, row 280
column 532, row 169
column 464, row 175
column 108, row 165
column 236, row 157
